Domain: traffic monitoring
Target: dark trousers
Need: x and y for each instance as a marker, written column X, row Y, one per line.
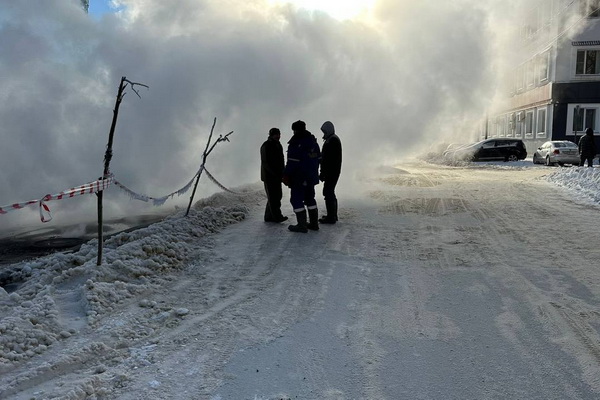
column 274, row 195
column 303, row 195
column 590, row 160
column 329, row 189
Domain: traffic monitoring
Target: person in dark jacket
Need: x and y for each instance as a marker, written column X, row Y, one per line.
column 331, row 167
column 301, row 174
column 587, row 148
column 271, row 173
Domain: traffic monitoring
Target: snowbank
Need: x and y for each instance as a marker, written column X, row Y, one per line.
column 582, row 182
column 53, row 297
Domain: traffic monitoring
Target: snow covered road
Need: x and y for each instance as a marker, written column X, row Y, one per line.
column 439, row 282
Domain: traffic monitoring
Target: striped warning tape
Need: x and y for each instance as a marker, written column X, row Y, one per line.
column 100, row 185
column 45, row 216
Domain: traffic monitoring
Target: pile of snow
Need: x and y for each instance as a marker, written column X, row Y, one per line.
column 34, row 316
column 582, row 182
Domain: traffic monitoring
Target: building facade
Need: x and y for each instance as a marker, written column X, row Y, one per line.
column 553, row 93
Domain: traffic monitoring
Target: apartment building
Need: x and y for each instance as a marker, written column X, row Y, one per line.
column 553, row 92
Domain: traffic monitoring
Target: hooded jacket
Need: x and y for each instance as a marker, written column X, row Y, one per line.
column 587, row 147
column 331, row 159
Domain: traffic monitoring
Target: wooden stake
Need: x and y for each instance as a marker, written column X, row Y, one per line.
column 207, row 151
column 108, row 156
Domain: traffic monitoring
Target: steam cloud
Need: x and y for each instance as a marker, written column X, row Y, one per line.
column 413, row 72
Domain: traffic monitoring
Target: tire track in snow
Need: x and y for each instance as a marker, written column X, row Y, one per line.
column 513, row 252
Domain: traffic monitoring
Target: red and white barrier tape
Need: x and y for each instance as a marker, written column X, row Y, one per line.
column 100, row 185
column 45, row 216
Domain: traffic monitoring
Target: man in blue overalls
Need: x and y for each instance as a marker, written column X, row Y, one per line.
column 301, row 174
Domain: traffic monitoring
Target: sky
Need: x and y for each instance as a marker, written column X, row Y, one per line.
column 100, row 7
column 395, row 78
column 339, row 9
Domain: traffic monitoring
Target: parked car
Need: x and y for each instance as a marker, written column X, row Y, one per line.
column 557, row 152
column 488, row 150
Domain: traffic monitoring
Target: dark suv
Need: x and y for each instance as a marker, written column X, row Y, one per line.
column 489, row 149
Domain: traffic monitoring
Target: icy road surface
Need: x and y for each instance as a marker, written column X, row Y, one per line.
column 437, row 283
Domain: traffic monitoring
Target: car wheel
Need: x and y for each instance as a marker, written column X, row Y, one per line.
column 535, row 160
column 511, row 157
column 548, row 163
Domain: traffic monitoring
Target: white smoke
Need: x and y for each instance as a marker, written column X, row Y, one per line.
column 391, row 83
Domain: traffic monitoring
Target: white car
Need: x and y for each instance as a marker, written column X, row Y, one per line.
column 557, row 152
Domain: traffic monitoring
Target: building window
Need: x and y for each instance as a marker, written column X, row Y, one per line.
column 501, row 126
column 541, row 123
column 588, row 62
column 584, row 118
column 544, row 66
column 530, row 66
column 520, row 78
column 590, row 118
column 529, row 124
column 519, row 127
column 511, row 125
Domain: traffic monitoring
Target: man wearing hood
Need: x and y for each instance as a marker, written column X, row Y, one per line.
column 587, row 148
column 271, row 173
column 301, row 174
column 331, row 167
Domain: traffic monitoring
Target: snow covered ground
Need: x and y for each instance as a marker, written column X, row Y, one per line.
column 440, row 282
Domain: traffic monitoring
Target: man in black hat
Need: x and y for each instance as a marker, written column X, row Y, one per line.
column 587, row 148
column 271, row 173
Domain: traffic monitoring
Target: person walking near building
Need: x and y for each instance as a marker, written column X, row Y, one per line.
column 271, row 173
column 301, row 174
column 587, row 148
column 331, row 167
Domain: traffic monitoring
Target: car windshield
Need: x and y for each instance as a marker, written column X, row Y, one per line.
column 564, row 144
column 478, row 144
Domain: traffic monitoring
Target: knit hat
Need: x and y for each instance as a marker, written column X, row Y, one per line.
column 299, row 126
column 274, row 131
column 589, row 131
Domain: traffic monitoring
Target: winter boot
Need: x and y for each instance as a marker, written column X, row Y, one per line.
column 301, row 226
column 268, row 214
column 335, row 210
column 281, row 218
column 331, row 216
column 313, row 216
